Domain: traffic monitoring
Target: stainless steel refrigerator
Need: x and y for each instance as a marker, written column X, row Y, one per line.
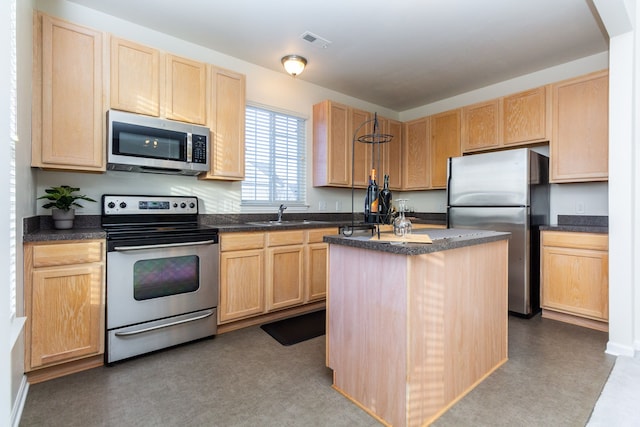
column 505, row 191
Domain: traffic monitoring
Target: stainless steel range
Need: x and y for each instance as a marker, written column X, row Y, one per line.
column 162, row 274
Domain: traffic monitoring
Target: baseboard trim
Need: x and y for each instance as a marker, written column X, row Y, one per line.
column 575, row 320
column 21, row 399
column 270, row 317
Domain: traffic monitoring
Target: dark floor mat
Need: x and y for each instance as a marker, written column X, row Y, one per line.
column 297, row 329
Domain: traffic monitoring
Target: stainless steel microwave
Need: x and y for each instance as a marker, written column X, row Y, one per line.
column 139, row 143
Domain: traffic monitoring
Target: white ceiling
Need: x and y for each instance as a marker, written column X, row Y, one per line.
column 397, row 54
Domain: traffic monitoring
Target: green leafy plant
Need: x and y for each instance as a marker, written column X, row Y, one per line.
column 63, row 198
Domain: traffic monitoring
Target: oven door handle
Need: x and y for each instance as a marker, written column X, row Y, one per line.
column 166, row 325
column 166, row 245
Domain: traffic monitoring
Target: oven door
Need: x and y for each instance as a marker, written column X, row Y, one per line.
column 150, row 282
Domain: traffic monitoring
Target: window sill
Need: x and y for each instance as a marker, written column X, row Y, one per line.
column 17, row 325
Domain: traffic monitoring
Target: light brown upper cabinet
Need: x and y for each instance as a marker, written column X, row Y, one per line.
column 579, row 148
column 526, row 116
column 147, row 81
column 391, row 153
column 68, row 87
column 186, row 89
column 362, row 155
column 445, row 143
column 518, row 119
column 226, row 119
column 135, row 77
column 416, row 158
column 481, row 128
column 331, row 145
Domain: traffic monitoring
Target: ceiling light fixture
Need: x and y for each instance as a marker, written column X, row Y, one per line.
column 294, row 64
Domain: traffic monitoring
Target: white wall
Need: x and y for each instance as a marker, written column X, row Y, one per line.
column 621, row 19
column 276, row 89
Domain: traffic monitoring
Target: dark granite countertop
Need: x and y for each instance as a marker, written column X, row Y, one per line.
column 72, row 234
column 580, row 224
column 40, row 228
column 443, row 239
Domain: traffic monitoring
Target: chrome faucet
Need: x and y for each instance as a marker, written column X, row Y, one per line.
column 280, row 212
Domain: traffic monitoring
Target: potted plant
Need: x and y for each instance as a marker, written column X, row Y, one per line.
column 62, row 201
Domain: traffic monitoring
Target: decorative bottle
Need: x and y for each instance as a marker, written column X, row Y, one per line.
column 371, row 204
column 385, row 202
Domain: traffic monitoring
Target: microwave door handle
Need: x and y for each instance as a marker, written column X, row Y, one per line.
column 165, row 245
column 189, row 147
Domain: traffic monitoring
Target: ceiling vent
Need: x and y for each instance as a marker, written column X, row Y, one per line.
column 315, row 40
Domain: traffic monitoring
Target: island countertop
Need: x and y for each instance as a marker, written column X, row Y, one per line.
column 442, row 240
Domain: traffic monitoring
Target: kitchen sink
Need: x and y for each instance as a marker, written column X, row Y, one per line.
column 293, row 222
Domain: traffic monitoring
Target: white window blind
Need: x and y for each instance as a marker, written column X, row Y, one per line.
column 275, row 158
column 13, row 139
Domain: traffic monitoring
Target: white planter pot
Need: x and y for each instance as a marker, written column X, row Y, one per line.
column 63, row 220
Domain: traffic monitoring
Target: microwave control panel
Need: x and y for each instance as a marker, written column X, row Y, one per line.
column 199, row 149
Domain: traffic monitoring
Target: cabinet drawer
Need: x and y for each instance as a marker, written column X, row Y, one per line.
column 279, row 238
column 316, row 235
column 241, row 241
column 67, row 253
column 566, row 239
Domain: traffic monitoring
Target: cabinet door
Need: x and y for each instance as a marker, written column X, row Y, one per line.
column 359, row 125
column 226, row 119
column 392, row 153
column 241, row 284
column 445, row 143
column 481, row 126
column 525, row 117
column 317, row 267
column 415, row 155
column 579, row 148
column 285, row 278
column 574, row 281
column 66, row 314
column 331, row 145
column 575, row 274
column 135, row 77
column 68, row 106
column 186, row 90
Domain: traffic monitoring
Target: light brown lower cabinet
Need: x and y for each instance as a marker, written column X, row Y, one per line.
column 575, row 278
column 263, row 273
column 241, row 276
column 64, row 305
column 285, row 269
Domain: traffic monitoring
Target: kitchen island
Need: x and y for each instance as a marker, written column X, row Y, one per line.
column 413, row 327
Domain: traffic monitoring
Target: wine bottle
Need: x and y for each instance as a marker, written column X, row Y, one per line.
column 385, row 202
column 371, row 200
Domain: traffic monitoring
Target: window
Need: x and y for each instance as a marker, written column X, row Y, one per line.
column 13, row 139
column 275, row 158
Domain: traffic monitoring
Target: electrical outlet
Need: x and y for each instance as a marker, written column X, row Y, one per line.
column 579, row 207
column 322, row 205
column 338, row 206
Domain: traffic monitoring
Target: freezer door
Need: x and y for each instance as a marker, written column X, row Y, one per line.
column 523, row 291
column 490, row 179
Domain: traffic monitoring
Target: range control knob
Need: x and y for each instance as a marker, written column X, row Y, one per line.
column 183, row 205
column 192, row 205
column 111, row 205
column 123, row 205
column 175, row 205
